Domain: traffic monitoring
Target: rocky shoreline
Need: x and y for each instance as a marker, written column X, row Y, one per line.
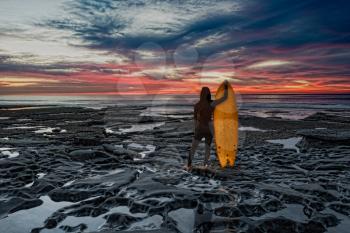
column 72, row 169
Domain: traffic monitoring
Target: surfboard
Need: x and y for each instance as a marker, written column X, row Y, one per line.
column 226, row 127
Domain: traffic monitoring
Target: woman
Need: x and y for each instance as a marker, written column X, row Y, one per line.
column 203, row 124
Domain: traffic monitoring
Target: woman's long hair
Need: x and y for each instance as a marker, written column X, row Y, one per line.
column 205, row 95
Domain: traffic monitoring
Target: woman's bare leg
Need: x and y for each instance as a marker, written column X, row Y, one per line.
column 207, row 154
column 195, row 144
column 208, row 144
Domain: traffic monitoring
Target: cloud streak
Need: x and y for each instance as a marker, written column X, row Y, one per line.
column 261, row 46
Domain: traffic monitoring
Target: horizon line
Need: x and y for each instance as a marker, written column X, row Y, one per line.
column 163, row 94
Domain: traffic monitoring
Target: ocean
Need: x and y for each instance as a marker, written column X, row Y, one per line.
column 292, row 106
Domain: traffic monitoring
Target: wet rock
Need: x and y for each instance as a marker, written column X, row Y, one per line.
column 56, row 130
column 94, row 122
column 51, row 223
column 313, row 226
column 146, row 119
column 215, row 197
column 250, row 210
column 273, row 205
column 316, row 190
column 226, row 211
column 313, row 137
column 16, row 204
column 163, row 230
column 276, row 225
column 93, row 186
column 320, row 116
column 79, row 228
column 140, row 207
column 86, row 141
column 43, row 186
column 218, row 224
column 88, row 211
column 155, row 194
column 89, row 154
column 119, row 221
column 70, row 195
column 327, row 220
column 341, row 208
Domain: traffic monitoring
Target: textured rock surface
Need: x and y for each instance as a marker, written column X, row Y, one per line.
column 114, row 170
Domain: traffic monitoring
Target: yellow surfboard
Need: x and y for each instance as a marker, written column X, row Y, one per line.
column 226, row 127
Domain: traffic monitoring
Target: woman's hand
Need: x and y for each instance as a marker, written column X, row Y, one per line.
column 222, row 99
column 226, row 84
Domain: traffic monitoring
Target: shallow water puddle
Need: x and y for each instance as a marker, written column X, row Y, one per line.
column 184, row 218
column 7, row 152
column 108, row 184
column 165, row 110
column 289, row 114
column 109, row 130
column 135, row 146
column 10, row 154
column 68, row 183
column 45, row 130
column 24, row 108
column 173, row 115
column 115, row 171
column 141, row 127
column 24, row 119
column 146, row 168
column 248, row 128
column 158, row 199
column 33, row 218
column 29, row 185
column 196, row 183
column 23, row 127
column 111, row 172
column 5, row 148
column 142, row 150
column 126, row 210
column 289, row 143
column 150, row 223
column 40, row 175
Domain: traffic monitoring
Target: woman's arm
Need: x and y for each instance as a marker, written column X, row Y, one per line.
column 222, row 99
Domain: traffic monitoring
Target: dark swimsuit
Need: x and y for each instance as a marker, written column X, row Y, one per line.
column 203, row 114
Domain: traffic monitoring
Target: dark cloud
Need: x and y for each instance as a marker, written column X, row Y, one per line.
column 9, row 66
column 314, row 35
column 282, row 23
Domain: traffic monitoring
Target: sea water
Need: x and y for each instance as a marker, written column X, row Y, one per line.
column 292, row 106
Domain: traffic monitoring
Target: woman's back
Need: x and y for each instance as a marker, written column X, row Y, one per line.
column 203, row 112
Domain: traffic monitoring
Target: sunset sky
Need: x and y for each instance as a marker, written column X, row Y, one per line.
column 173, row 47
